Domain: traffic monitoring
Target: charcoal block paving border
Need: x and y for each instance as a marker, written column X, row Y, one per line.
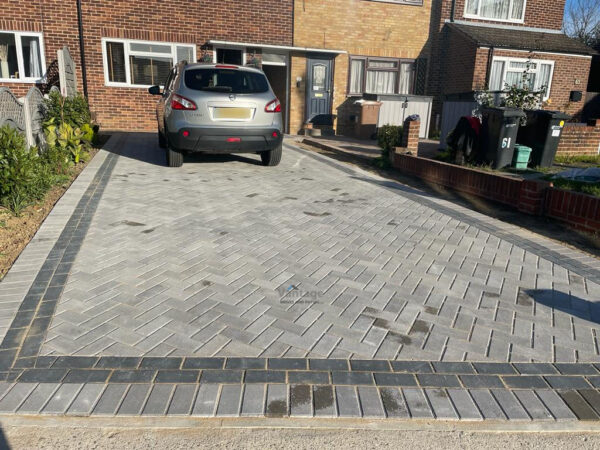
column 273, row 387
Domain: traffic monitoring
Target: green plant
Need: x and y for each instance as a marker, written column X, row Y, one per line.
column 578, row 159
column 72, row 110
column 388, row 137
column 70, row 140
column 576, row 186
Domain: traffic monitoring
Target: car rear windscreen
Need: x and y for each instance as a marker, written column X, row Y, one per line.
column 226, row 80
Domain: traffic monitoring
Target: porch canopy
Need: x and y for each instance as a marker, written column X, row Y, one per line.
column 274, row 48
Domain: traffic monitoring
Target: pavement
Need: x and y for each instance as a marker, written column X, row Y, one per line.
column 313, row 289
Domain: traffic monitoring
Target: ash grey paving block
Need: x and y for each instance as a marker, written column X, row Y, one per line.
column 567, row 382
column 324, row 401
column 160, row 363
column 221, row 376
column 578, row 405
column 253, row 400
column 370, row 402
column 464, row 405
column 229, row 400
column 533, row 405
column 489, row 408
column 62, row 399
column 75, row 362
column 329, row 364
column 132, row 376
column 300, row 400
column 288, row 363
column 555, row 405
column 352, row 378
column 510, row 405
column 536, row 368
column 87, row 376
column 277, row 400
column 393, row 402
column 370, row 365
column 438, row 381
column 576, row 369
column 417, row 403
column 16, row 396
column 38, row 398
column 524, row 382
column 118, row 362
column 44, row 362
column 206, row 400
column 177, row 376
column 395, row 379
column 246, row 363
column 203, row 363
column 347, row 401
column 441, row 404
column 183, row 399
column 594, row 381
column 481, row 381
column 111, row 399
column 4, row 387
column 264, row 376
column 452, row 367
column 592, row 397
column 158, row 400
column 494, row 368
column 42, row 375
column 86, row 399
column 308, row 377
column 134, row 400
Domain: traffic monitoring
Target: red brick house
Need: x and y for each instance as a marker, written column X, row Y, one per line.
column 479, row 44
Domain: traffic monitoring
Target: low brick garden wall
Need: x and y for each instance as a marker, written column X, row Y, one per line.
column 580, row 139
column 536, row 197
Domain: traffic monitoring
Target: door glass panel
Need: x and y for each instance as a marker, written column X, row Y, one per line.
column 9, row 67
column 318, row 77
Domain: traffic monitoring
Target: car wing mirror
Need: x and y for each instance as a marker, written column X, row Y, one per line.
column 154, row 90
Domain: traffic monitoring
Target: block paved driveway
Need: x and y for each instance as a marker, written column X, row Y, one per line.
column 310, row 288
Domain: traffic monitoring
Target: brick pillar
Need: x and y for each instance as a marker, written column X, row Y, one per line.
column 532, row 196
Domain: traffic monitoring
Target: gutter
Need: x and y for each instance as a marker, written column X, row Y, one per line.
column 488, row 73
column 82, row 49
column 452, row 10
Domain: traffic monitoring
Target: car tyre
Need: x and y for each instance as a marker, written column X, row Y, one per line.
column 272, row 157
column 162, row 141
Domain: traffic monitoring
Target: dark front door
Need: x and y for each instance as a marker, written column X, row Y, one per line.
column 318, row 90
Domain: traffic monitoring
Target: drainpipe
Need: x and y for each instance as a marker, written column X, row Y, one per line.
column 452, row 9
column 82, row 49
column 488, row 73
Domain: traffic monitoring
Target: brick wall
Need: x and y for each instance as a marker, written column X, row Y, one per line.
column 360, row 27
column 194, row 22
column 580, row 139
column 580, row 211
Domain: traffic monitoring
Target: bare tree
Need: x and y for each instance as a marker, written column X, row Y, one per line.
column 582, row 21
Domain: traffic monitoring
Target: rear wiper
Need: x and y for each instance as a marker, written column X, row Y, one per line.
column 218, row 89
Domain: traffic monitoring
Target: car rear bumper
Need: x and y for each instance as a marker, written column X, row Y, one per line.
column 225, row 140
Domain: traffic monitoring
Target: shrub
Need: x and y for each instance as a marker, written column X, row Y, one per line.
column 389, row 136
column 72, row 110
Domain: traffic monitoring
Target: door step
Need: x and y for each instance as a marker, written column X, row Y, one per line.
column 310, row 129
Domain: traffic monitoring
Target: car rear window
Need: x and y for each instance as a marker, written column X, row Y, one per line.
column 226, row 80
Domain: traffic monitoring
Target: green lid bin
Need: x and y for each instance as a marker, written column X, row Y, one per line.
column 521, row 157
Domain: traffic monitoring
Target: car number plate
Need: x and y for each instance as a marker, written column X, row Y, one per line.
column 233, row 113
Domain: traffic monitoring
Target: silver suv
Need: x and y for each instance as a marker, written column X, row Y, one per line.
column 216, row 108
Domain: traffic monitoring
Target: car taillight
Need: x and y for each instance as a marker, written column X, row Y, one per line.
column 182, row 103
column 273, row 107
column 223, row 66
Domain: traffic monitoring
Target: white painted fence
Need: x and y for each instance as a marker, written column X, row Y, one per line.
column 396, row 108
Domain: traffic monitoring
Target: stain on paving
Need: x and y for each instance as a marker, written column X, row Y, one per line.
column 420, row 326
column 128, row 223
column 323, row 397
column 314, row 214
column 277, row 408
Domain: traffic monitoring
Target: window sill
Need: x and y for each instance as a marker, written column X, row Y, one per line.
column 487, row 19
column 22, row 80
column 128, row 86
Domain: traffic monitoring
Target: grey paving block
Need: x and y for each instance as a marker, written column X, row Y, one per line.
column 393, row 402
column 567, row 382
column 111, row 399
column 308, row 377
column 441, row 404
column 481, row 381
column 418, row 404
column 510, row 405
column 300, row 400
column 229, row 400
column 86, row 399
column 370, row 402
column 464, row 405
column 487, row 404
column 578, row 405
column 134, row 400
column 253, row 400
column 183, row 399
column 324, row 403
column 347, row 401
column 277, row 400
column 592, row 397
column 38, row 398
column 158, row 400
column 532, row 404
column 61, row 399
column 16, row 396
column 555, row 405
column 206, row 400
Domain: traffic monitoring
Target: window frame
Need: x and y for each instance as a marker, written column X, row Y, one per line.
column 367, row 60
column 478, row 16
column 21, row 62
column 127, row 53
column 507, row 60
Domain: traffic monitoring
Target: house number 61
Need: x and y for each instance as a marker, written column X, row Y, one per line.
column 506, row 142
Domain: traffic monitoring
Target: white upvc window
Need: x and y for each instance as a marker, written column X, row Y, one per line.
column 507, row 72
column 499, row 10
column 21, row 57
column 129, row 63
